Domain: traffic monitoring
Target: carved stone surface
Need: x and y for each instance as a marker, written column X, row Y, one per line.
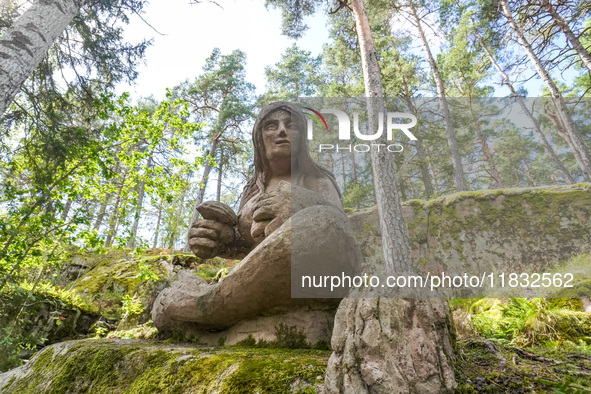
column 291, row 202
column 377, row 341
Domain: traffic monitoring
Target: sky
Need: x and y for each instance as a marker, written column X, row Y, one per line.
column 189, row 33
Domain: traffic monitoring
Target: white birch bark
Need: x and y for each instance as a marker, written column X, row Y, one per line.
column 25, row 43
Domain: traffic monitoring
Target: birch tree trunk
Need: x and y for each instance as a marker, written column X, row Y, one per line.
column 459, row 176
column 536, row 125
column 583, row 155
column 370, row 353
column 25, row 43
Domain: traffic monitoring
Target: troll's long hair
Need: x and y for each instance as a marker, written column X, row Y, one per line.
column 307, row 166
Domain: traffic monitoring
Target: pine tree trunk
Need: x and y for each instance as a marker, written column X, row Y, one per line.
column 370, row 353
column 570, row 36
column 25, row 43
column 201, row 192
column 528, row 173
column 459, row 176
column 423, row 167
column 353, row 166
column 537, row 128
column 583, row 154
column 494, row 172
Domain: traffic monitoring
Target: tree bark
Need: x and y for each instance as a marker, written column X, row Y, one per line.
column 366, row 355
column 131, row 243
column 25, row 43
column 101, row 214
column 583, row 154
column 423, row 167
column 537, row 128
column 66, row 210
column 218, row 195
column 459, row 175
column 201, row 192
column 494, row 172
column 156, row 232
column 528, row 173
column 115, row 215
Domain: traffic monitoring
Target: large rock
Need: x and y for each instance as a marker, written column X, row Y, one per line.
column 141, row 366
column 504, row 230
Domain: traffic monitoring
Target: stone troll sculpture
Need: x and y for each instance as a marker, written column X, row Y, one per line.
column 290, row 223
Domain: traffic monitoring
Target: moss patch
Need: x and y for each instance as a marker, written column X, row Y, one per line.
column 137, row 366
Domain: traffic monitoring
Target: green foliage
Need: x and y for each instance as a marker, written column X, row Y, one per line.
column 528, row 322
column 131, row 305
column 294, row 76
column 146, row 273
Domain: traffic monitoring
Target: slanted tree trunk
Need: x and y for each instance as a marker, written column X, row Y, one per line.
column 537, row 128
column 388, row 344
column 101, row 214
column 202, row 185
column 559, row 128
column 570, row 36
column 488, row 155
column 528, row 173
column 25, row 43
column 459, row 175
column 583, row 155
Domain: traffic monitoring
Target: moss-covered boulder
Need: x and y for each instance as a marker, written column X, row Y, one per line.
column 141, row 366
column 504, row 230
column 119, row 285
